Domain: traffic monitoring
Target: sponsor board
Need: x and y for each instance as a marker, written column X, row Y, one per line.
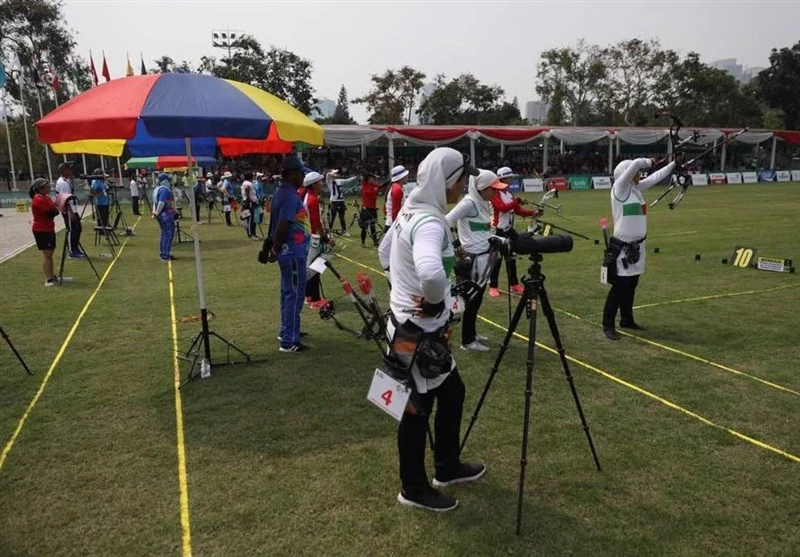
column 559, row 183
column 775, row 264
column 749, row 177
column 532, row 185
column 734, row 177
column 601, row 182
column 783, row 176
column 699, row 179
column 716, row 178
column 795, row 175
column 580, row 182
column 766, row 176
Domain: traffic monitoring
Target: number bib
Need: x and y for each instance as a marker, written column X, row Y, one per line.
column 389, row 395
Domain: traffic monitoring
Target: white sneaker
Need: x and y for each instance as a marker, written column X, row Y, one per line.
column 481, row 338
column 475, row 346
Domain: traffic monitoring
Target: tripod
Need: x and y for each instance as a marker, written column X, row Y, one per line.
column 67, row 231
column 14, row 350
column 534, row 291
column 112, row 193
column 180, row 235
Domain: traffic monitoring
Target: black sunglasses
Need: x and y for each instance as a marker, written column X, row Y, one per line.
column 465, row 167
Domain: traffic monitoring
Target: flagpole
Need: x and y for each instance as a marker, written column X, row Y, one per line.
column 55, row 96
column 25, row 119
column 83, row 157
column 8, row 137
column 46, row 147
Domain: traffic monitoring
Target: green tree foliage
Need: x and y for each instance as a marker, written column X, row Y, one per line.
column 572, row 76
column 779, row 85
column 393, row 96
column 342, row 113
column 280, row 72
column 464, row 100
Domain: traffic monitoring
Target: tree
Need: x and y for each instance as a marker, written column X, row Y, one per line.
column 280, row 72
column 166, row 64
column 465, row 100
column 636, row 71
column 571, row 76
column 393, row 95
column 36, row 32
column 342, row 113
column 779, row 84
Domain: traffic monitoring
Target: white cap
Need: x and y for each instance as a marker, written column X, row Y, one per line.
column 399, row 172
column 505, row 172
column 312, row 178
column 210, row 175
column 227, row 174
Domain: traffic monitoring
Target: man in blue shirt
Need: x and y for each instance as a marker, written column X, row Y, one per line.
column 164, row 211
column 98, row 192
column 290, row 231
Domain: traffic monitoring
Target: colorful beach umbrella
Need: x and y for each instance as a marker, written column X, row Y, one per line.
column 160, row 163
column 153, row 114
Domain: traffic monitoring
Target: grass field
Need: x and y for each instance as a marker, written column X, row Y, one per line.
column 695, row 420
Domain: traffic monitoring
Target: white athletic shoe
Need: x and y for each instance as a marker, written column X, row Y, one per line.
column 475, row 346
column 481, row 338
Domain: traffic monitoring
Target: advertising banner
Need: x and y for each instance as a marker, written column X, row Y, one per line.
column 783, row 176
column 601, row 182
column 734, row 178
column 559, row 184
column 795, row 175
column 766, row 176
column 580, row 182
column 699, row 179
column 716, row 178
column 749, row 177
column 532, row 185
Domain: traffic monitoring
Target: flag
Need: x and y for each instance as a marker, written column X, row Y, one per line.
column 129, row 70
column 54, row 78
column 92, row 69
column 106, row 73
column 144, row 70
column 37, row 79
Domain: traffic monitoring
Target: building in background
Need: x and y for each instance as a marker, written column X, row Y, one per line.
column 536, row 111
column 738, row 71
column 427, row 90
column 325, row 108
column 749, row 74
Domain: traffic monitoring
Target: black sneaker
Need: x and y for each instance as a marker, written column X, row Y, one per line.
column 467, row 472
column 632, row 326
column 611, row 334
column 428, row 498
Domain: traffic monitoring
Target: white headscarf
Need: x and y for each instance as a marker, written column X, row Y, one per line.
column 485, row 176
column 430, row 194
column 621, row 167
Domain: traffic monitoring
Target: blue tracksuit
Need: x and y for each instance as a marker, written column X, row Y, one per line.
column 166, row 219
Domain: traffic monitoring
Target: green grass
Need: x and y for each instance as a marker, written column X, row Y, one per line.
column 287, row 457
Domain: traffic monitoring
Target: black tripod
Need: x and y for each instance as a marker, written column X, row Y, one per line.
column 14, row 350
column 180, row 235
column 67, row 232
column 534, row 291
column 112, row 192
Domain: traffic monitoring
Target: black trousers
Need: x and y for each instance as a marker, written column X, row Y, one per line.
column 511, row 264
column 135, row 203
column 412, row 434
column 337, row 208
column 197, row 203
column 312, row 287
column 102, row 215
column 369, row 216
column 620, row 298
column 75, row 228
column 470, row 317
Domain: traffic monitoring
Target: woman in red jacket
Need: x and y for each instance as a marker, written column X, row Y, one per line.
column 505, row 206
column 312, row 185
column 44, row 226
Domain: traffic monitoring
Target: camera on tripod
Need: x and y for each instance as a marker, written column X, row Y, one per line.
column 528, row 244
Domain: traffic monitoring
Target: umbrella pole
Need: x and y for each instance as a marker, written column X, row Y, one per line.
column 205, row 334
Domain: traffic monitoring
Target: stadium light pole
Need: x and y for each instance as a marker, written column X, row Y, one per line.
column 226, row 39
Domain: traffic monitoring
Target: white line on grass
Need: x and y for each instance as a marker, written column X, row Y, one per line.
column 10, row 443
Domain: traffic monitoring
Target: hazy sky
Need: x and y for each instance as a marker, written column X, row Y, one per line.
column 499, row 42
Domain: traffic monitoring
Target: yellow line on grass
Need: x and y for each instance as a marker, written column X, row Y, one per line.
column 654, row 396
column 10, row 443
column 715, row 296
column 183, row 484
column 636, row 388
column 690, row 355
